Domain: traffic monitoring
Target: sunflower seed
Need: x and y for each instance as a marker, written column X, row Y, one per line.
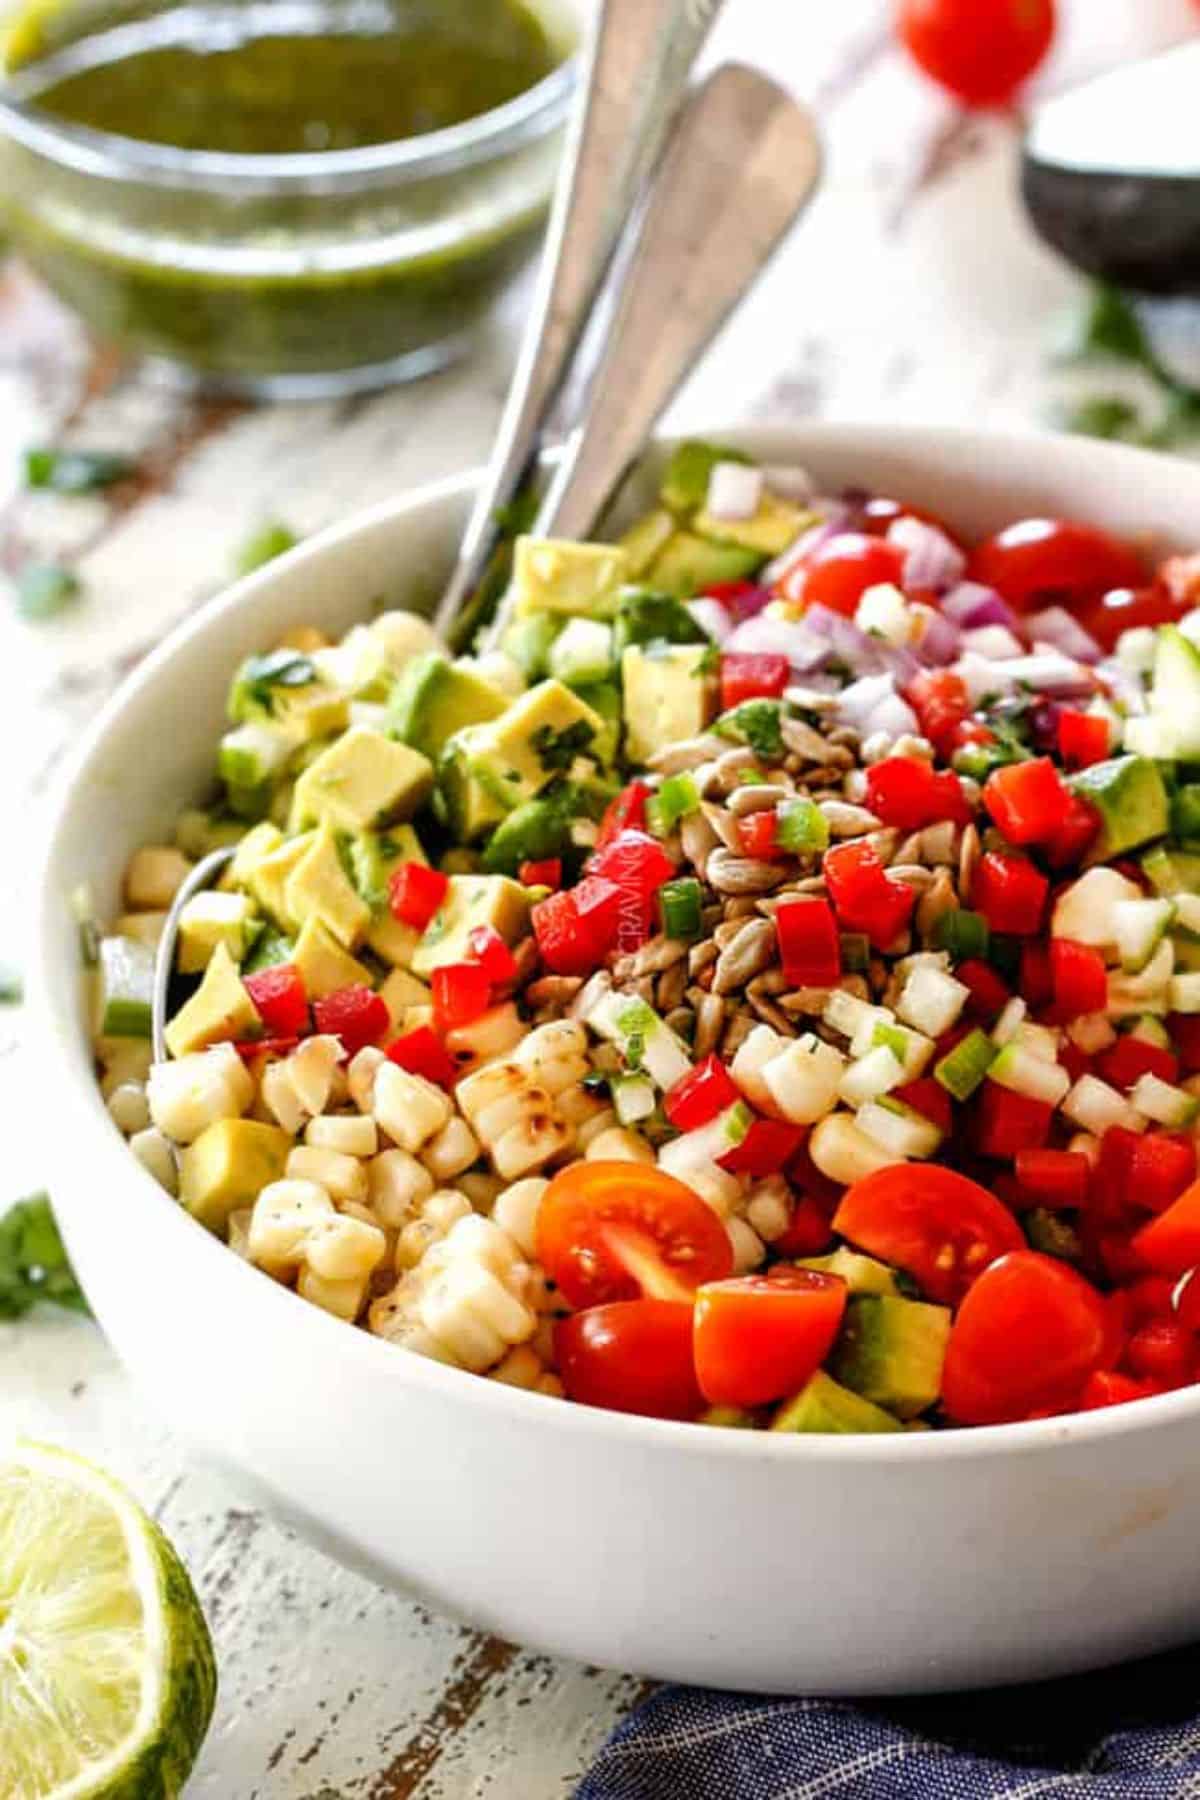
column 873, row 749
column 737, row 1030
column 671, row 983
column 809, row 700
column 698, row 838
column 724, row 827
column 553, row 990
column 677, row 758
column 768, row 1011
column 710, row 1017
column 968, row 862
column 885, row 843
column 854, row 786
column 740, row 907
column 846, row 736
column 910, row 850
column 745, row 956
column 701, row 956
column 731, row 874
column 846, row 821
column 803, row 741
column 805, row 1000
column 754, row 798
column 656, row 954
column 937, row 900
column 914, row 875
column 682, row 1021
column 918, row 747
column 729, row 769
column 527, row 960
column 939, row 843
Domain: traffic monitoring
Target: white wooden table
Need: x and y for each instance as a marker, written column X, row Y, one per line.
column 913, row 291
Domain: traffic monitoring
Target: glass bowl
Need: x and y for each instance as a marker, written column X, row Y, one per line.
column 281, row 276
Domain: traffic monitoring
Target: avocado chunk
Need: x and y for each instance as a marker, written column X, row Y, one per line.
column 528, row 642
column 471, row 797
column 361, row 781
column 823, row 1406
column 374, row 857
column 540, row 828
column 891, row 1351
column 1130, row 796
column 228, row 1166
column 219, row 1009
column 211, row 918
column 556, row 575
column 1172, row 871
column 604, row 698
column 145, row 927
column 538, row 740
column 270, row 874
column 125, row 988
column 644, row 617
column 644, row 539
column 400, row 993
column 255, row 846
column 684, row 487
column 434, row 698
column 253, row 755
column 861, row 1274
column 774, row 526
column 669, row 695
column 272, row 948
column 688, row 564
column 323, row 965
column 471, row 900
column 318, row 887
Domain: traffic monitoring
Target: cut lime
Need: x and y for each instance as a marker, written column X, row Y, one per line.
column 107, row 1677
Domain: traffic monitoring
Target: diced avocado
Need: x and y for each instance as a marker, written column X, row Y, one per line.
column 684, row 486
column 392, row 940
column 199, row 833
column 775, row 525
column 269, row 877
column 1173, row 726
column 669, row 695
column 228, row 1166
column 823, row 1406
column 361, row 781
column 314, row 712
column 272, row 948
column 861, row 1274
column 145, row 927
column 471, row 900
column 252, row 755
column 358, row 666
column 318, row 887
column 401, row 991
column 261, row 684
column 582, row 653
column 323, row 965
column 1172, row 871
column 528, row 642
column 604, row 698
column 434, row 698
column 1130, row 796
column 1185, row 812
column 644, row 617
column 556, row 575
column 689, row 564
column 219, row 1009
column 257, row 844
column 891, row 1351
column 729, row 1418
column 375, row 855
column 537, row 740
column 536, row 830
column 211, row 918
column 466, row 788
column 125, row 988
column 644, row 539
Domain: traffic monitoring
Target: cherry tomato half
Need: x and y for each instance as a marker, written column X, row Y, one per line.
column 1125, row 608
column 840, row 571
column 1026, row 1338
column 940, row 1227
column 761, row 1336
column 981, row 50
column 1170, row 1244
column 634, row 1356
column 618, row 1230
column 1047, row 562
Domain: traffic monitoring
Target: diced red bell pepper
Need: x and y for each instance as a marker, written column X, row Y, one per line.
column 1106, row 1387
column 706, row 1090
column 989, row 993
column 809, row 1230
column 1184, row 1301
column 930, row 1099
column 1006, row 1122
column 422, row 1052
column 766, row 1147
column 1170, row 1243
column 1053, row 1178
column 626, row 813
column 546, row 872
column 1080, row 978
column 1074, row 1060
column 1162, row 1165
column 1027, row 800
column 805, row 1176
column 415, row 892
column 906, row 792
column 637, row 865
column 356, row 1014
column 265, row 1046
column 810, row 948
column 757, row 832
column 1109, row 1192
column 752, row 677
column 1010, row 893
column 1160, row 1351
column 1036, row 980
column 1185, row 1036
column 942, row 703
column 1083, row 738
column 1130, row 1058
column 461, row 991
column 1150, row 1298
column 866, row 897
column 280, row 999
column 743, row 599
column 1079, row 825
column 492, row 954
column 576, row 930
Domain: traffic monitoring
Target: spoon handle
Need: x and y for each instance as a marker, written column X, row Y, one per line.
column 743, row 161
column 635, row 69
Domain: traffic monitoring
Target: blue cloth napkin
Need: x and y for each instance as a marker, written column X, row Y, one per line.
column 1124, row 1734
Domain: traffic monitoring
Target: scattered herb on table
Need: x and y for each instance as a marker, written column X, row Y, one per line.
column 44, row 589
column 270, row 541
column 76, row 471
column 33, row 1262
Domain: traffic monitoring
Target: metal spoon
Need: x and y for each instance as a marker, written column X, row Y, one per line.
column 635, row 73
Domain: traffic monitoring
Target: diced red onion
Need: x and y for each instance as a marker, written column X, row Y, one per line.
column 711, row 616
column 970, row 604
column 940, row 641
column 931, row 559
column 1124, row 687
column 861, row 653
column 833, row 520
column 864, row 697
column 982, row 677
column 734, row 490
column 1049, row 672
column 767, row 636
column 893, row 715
column 1062, row 631
column 996, row 642
column 748, row 602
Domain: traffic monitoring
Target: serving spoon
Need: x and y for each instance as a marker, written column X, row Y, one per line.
column 742, row 162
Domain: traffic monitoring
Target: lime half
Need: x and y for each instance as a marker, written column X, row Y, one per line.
column 107, row 1677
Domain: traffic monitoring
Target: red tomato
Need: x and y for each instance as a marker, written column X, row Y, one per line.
column 461, row 991
column 840, row 571
column 355, row 1014
column 942, row 704
column 1028, row 1335
column 1105, row 1388
column 1044, row 562
column 1160, row 1350
column 1124, row 608
column 634, row 1356
column 937, row 1225
column 616, row 1230
column 761, row 1337
column 1170, row 1244
column 1027, row 800
column 980, row 50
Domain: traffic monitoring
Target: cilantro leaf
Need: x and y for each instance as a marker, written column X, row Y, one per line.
column 557, row 750
column 757, row 723
column 253, row 691
column 33, row 1263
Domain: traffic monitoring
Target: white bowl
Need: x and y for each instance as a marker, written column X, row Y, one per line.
column 790, row 1565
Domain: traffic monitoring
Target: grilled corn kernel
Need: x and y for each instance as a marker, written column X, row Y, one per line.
column 396, row 1185
column 516, row 1209
column 344, row 1249
column 195, row 1091
column 344, row 1299
column 360, row 1076
column 409, row 1108
column 154, row 1153
column 342, row 1177
column 349, row 1133
column 312, row 1067
column 284, row 1214
column 452, row 1149
column 617, row 1144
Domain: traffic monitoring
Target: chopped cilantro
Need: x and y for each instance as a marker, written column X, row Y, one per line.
column 757, row 723
column 33, row 1263
column 254, row 686
column 76, row 471
column 558, row 749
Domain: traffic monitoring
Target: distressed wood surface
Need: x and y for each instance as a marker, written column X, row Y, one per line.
column 912, row 291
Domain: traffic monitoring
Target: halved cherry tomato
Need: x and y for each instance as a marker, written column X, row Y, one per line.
column 1025, row 1340
column 1170, row 1244
column 937, row 1225
column 617, row 1230
column 1106, row 1388
column 760, row 1337
column 633, row 1356
column 942, row 704
column 1043, row 562
column 979, row 50
column 840, row 571
column 1126, row 608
